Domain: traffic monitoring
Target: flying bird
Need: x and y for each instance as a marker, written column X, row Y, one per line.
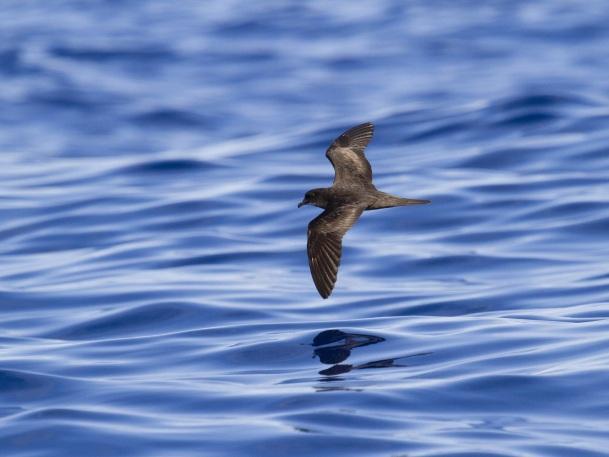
column 351, row 194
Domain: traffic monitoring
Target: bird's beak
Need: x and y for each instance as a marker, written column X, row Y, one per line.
column 302, row 203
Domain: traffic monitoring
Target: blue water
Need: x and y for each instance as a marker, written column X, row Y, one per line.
column 155, row 298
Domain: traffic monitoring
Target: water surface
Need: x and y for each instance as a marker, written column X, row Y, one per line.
column 154, row 290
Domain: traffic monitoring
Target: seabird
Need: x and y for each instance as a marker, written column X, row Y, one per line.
column 351, row 194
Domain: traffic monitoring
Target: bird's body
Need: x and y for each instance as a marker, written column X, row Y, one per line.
column 351, row 194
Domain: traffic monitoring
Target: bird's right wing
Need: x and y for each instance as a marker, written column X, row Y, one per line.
column 346, row 153
column 324, row 245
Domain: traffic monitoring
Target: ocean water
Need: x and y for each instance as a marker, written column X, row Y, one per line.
column 155, row 298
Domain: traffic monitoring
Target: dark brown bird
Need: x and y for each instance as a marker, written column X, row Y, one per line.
column 351, row 194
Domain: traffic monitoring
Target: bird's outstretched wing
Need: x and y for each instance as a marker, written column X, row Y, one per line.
column 346, row 153
column 324, row 244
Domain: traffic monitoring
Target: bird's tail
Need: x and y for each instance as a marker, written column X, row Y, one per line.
column 411, row 201
column 389, row 201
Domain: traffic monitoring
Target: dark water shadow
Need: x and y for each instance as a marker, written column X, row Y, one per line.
column 333, row 347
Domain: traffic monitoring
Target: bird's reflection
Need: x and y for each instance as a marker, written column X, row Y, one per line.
column 335, row 346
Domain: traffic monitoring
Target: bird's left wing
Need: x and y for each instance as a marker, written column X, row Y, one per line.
column 324, row 244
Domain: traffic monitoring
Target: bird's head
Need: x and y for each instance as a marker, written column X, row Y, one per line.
column 315, row 197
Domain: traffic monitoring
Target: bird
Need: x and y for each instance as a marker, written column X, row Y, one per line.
column 351, row 193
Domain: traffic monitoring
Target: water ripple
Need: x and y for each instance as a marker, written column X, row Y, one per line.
column 156, row 298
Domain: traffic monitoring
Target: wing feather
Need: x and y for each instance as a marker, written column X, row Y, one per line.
column 346, row 153
column 324, row 245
